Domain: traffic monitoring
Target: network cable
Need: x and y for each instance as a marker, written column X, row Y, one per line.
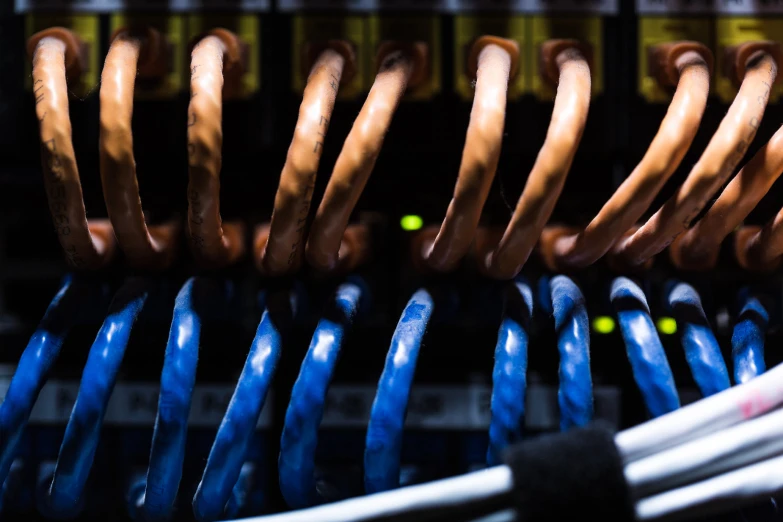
column 299, row 439
column 213, row 242
column 747, row 340
column 131, row 52
column 56, row 55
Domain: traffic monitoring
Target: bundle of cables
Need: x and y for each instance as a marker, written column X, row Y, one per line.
column 718, row 454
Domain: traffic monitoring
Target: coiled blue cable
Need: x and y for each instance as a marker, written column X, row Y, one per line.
column 100, row 374
column 509, row 375
column 298, row 442
column 383, row 444
column 701, row 348
column 37, row 359
column 648, row 360
column 228, row 452
column 747, row 341
column 575, row 393
column 156, row 495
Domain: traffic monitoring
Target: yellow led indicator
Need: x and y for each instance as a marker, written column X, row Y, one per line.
column 667, row 325
column 603, row 324
column 411, row 223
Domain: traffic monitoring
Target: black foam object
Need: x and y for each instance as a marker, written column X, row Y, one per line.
column 575, row 475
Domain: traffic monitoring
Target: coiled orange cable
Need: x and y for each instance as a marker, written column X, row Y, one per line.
column 88, row 245
column 360, row 151
column 148, row 249
column 572, row 102
column 565, row 247
column 698, row 248
column 282, row 251
column 480, row 154
column 214, row 243
column 717, row 163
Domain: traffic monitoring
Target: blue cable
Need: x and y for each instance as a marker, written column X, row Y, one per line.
column 37, row 359
column 509, row 375
column 648, row 360
column 100, row 374
column 229, row 449
column 747, row 341
column 575, row 394
column 157, row 493
column 298, row 442
column 383, row 444
column 701, row 348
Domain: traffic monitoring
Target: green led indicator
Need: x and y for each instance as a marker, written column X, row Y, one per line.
column 667, row 325
column 411, row 223
column 603, row 324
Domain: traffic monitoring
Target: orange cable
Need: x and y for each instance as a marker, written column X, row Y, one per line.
column 282, row 252
column 563, row 247
column 550, row 170
column 153, row 248
column 89, row 245
column 214, row 243
column 717, row 163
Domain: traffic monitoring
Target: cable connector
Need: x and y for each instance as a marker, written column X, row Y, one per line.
column 345, row 48
column 75, row 49
column 154, row 53
column 551, row 50
column 738, row 57
column 510, row 46
column 666, row 60
column 418, row 52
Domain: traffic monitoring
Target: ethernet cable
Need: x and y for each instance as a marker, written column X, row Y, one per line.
column 400, row 66
column 282, row 253
column 757, row 67
column 686, row 66
column 698, row 247
column 701, row 348
column 56, row 54
column 83, row 431
column 383, row 445
column 230, row 447
column 747, row 340
column 299, row 439
column 565, row 65
column 154, row 496
column 509, row 374
column 130, row 52
column 214, row 243
column 572, row 326
column 492, row 62
column 648, row 360
column 37, row 360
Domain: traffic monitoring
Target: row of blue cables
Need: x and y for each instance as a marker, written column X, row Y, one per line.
column 223, row 485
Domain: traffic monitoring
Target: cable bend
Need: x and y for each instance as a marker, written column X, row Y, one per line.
column 550, row 170
column 214, row 243
column 689, row 66
column 87, row 244
column 398, row 65
column 698, row 248
column 283, row 251
column 716, row 164
column 495, row 59
column 152, row 248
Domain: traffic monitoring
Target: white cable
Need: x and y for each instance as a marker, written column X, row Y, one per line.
column 724, row 450
column 719, row 411
column 714, row 495
column 444, row 493
column 508, row 515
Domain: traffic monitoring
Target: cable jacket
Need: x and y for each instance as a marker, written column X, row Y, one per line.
column 230, row 448
column 83, row 431
column 37, row 359
column 297, row 180
column 144, row 248
column 701, row 348
column 747, row 341
column 383, row 445
column 509, row 375
column 86, row 244
column 572, row 327
column 357, row 160
column 648, row 360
